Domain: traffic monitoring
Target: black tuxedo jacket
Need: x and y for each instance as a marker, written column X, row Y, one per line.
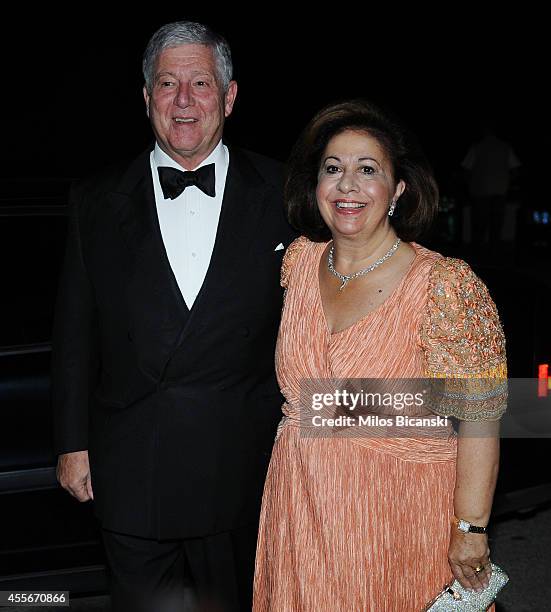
column 177, row 408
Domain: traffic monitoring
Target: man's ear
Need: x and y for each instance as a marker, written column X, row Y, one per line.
column 229, row 98
column 146, row 98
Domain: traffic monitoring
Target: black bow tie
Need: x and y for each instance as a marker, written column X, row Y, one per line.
column 174, row 181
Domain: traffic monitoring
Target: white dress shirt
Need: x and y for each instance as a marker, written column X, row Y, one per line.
column 189, row 222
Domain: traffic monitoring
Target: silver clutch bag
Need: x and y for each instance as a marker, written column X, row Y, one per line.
column 455, row 597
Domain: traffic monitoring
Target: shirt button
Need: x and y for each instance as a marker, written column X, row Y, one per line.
column 191, row 212
column 194, row 254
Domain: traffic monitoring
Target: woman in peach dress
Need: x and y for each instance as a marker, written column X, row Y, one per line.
column 361, row 518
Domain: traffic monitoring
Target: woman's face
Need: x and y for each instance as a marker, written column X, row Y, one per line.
column 356, row 185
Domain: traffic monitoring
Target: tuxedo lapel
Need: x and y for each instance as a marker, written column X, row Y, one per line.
column 242, row 210
column 133, row 202
column 152, row 290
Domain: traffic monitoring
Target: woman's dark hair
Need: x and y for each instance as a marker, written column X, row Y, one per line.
column 416, row 207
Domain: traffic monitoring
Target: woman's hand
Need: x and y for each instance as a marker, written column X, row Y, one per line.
column 467, row 552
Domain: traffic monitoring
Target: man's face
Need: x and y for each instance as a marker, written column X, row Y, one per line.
column 187, row 106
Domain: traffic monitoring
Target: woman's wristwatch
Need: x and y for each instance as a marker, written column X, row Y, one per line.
column 467, row 527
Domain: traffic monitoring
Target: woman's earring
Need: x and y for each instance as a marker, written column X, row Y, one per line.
column 391, row 209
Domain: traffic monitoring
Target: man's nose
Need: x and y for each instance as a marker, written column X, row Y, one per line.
column 184, row 96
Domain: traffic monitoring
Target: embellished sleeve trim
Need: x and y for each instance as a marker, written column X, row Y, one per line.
column 464, row 345
column 290, row 257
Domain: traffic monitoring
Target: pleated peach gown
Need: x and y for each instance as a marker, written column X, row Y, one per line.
column 352, row 524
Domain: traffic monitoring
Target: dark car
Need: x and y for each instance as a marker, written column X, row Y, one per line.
column 47, row 539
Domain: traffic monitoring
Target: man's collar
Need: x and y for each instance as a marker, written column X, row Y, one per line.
column 216, row 156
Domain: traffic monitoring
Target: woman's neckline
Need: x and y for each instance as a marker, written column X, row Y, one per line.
column 368, row 314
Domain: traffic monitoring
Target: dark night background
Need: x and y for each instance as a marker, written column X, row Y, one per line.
column 72, row 83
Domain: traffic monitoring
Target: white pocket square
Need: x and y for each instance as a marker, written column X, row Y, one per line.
column 279, row 247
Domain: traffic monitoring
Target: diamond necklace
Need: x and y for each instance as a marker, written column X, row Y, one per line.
column 344, row 278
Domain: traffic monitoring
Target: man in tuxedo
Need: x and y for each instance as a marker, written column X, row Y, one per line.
column 165, row 395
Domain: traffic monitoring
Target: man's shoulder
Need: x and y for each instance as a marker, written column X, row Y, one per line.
column 271, row 170
column 114, row 177
column 261, row 161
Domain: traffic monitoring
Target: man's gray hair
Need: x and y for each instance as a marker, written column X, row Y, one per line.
column 187, row 33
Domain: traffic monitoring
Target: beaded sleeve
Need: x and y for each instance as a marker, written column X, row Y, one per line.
column 290, row 257
column 464, row 344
